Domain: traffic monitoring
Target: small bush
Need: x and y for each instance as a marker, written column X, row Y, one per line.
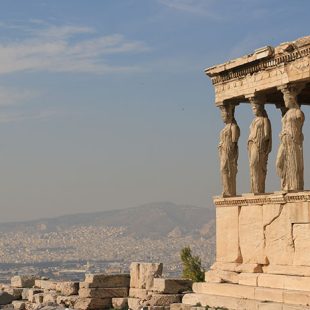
column 191, row 265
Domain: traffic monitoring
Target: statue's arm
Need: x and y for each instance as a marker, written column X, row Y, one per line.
column 268, row 134
column 235, row 133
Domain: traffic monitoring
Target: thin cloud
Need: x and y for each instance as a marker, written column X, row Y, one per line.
column 65, row 49
column 14, row 96
column 196, row 7
column 17, row 117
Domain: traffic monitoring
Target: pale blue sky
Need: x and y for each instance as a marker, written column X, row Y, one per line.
column 104, row 103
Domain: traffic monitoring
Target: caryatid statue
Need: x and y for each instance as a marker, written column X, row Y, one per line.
column 290, row 162
column 259, row 145
column 228, row 150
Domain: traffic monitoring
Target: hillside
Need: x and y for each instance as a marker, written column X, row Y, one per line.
column 151, row 220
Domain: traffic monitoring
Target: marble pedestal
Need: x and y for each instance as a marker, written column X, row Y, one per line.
column 262, row 254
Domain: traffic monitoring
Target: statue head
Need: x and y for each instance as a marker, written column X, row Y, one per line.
column 258, row 109
column 227, row 113
column 290, row 98
column 258, row 105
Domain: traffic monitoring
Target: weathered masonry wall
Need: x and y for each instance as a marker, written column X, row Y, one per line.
column 268, row 230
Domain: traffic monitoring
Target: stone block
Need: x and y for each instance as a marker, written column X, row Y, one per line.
column 19, row 304
column 287, row 270
column 5, row 298
column 67, row 288
column 32, row 292
column 269, row 294
column 139, row 293
column 296, row 297
column 227, row 235
column 299, row 212
column 217, row 301
column 50, row 297
column 134, row 303
column 219, row 276
column 180, row 306
column 106, row 280
column 236, row 267
column 93, row 303
column 38, row 298
column 142, row 274
column 15, row 292
column 164, row 299
column 45, row 284
column 224, row 289
column 279, row 247
column 171, row 286
column 301, row 237
column 248, row 279
column 103, row 292
column 25, row 293
column 251, row 235
column 120, row 303
column 67, row 301
column 284, row 282
column 270, row 280
column 25, row 281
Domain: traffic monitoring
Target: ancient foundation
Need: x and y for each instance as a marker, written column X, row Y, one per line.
column 262, row 254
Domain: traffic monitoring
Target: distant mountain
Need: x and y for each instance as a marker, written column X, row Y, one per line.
column 150, row 221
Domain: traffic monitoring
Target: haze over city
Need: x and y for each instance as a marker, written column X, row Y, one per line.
column 105, row 105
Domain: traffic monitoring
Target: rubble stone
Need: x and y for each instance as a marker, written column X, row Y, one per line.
column 171, row 286
column 45, row 284
column 18, row 304
column 106, row 280
column 164, row 299
column 120, row 303
column 25, row 281
column 139, row 293
column 103, row 292
column 142, row 274
column 5, row 298
column 92, row 303
column 68, row 301
column 67, row 288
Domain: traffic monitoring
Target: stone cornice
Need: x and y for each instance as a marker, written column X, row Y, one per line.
column 251, row 199
column 261, row 59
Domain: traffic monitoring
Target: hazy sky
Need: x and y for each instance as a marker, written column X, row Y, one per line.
column 104, row 103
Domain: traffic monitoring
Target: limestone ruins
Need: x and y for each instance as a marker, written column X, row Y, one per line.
column 143, row 288
column 262, row 239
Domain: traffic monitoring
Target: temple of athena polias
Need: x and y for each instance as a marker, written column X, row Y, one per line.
column 262, row 238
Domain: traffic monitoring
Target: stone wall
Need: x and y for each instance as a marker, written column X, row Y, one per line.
column 143, row 288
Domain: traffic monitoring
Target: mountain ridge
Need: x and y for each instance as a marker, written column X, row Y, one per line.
column 148, row 220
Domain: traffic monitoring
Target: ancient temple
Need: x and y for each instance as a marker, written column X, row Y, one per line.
column 262, row 239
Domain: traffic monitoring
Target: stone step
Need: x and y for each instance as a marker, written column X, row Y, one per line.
column 263, row 294
column 233, row 303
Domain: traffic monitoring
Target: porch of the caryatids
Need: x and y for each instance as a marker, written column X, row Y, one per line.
column 228, row 150
column 290, row 161
column 259, row 144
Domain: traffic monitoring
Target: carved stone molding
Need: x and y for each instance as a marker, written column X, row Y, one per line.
column 252, row 199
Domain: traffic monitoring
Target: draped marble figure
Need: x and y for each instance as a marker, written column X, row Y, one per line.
column 259, row 147
column 290, row 162
column 228, row 150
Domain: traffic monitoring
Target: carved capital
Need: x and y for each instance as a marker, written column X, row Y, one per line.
column 256, row 98
column 290, row 92
column 292, row 88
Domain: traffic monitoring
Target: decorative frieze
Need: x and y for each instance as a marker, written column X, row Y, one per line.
column 252, row 199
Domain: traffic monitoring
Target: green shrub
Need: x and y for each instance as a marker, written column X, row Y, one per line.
column 191, row 265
